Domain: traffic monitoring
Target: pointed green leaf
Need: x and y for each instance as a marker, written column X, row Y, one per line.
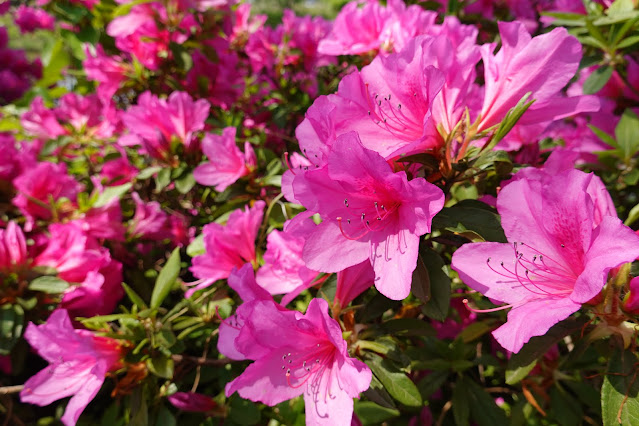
column 166, row 279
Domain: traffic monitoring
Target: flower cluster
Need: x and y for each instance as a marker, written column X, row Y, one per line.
column 406, row 213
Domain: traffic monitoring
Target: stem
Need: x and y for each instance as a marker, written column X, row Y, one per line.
column 201, row 361
column 8, row 390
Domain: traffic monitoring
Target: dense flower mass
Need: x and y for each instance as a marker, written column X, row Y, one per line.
column 342, row 213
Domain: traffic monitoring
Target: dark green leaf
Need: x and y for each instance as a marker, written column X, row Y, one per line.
column 370, row 413
column 11, row 325
column 461, row 406
column 483, row 409
column 598, row 79
column 148, row 172
column 185, row 183
column 627, row 134
column 517, row 374
column 378, row 394
column 134, row 297
column 471, row 215
column 420, row 286
column 165, row 417
column 47, row 284
column 244, row 412
column 162, row 179
column 432, row 383
column 161, row 366
column 565, row 408
column 437, row 306
column 619, row 393
column 398, row 385
column 166, row 279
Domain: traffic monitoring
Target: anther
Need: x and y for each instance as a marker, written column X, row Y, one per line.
column 345, row 202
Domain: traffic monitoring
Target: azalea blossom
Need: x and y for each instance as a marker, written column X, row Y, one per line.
column 227, row 246
column 368, row 212
column 226, row 162
column 78, row 362
column 557, row 258
column 300, row 354
column 13, row 248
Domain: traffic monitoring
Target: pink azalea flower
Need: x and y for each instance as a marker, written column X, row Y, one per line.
column 13, row 248
column 72, row 253
column 118, row 171
column 98, row 294
column 227, row 246
column 29, row 19
column 41, row 185
column 353, row 281
column 226, row 162
column 87, row 115
column 368, row 212
column 558, row 257
column 631, row 301
column 41, row 122
column 16, row 157
column 78, row 362
column 108, row 71
column 542, row 65
column 299, row 354
column 284, row 270
column 149, row 222
column 241, row 280
column 158, row 121
column 388, row 103
column 193, row 402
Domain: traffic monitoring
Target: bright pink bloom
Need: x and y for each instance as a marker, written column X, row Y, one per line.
column 631, row 301
column 558, row 257
column 72, row 253
column 97, row 294
column 149, row 222
column 46, row 183
column 41, row 122
column 299, row 354
column 13, row 248
column 108, row 71
column 119, row 171
column 87, row 115
column 16, row 71
column 227, row 246
column 79, row 362
column 374, row 27
column 388, row 103
column 542, row 65
column 226, row 162
column 368, row 212
column 193, row 402
column 15, row 158
column 241, row 280
column 284, row 270
column 353, row 281
column 29, row 19
column 158, row 121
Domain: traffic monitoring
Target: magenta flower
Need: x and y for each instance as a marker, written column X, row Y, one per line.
column 158, row 121
column 97, row 294
column 631, row 301
column 41, row 122
column 72, row 253
column 29, row 19
column 368, row 212
column 226, row 162
column 108, row 71
column 284, row 270
column 193, row 402
column 149, row 222
column 41, row 185
column 13, row 248
column 78, row 359
column 299, row 354
column 542, row 65
column 557, row 258
column 353, row 281
column 227, row 246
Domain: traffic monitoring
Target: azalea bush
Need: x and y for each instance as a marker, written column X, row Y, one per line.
column 230, row 213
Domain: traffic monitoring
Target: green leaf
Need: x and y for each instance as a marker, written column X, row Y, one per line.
column 620, row 7
column 633, row 215
column 461, row 407
column 539, row 345
column 370, row 413
column 420, row 285
column 627, row 134
column 161, row 366
column 166, row 279
column 148, row 172
column 51, row 285
column 483, row 409
column 437, row 306
column 124, row 9
column 398, row 385
column 471, row 215
column 609, row 140
column 134, row 297
column 196, row 247
column 619, row 399
column 110, row 193
column 165, row 417
column 597, row 80
column 565, row 408
column 55, row 58
column 378, row 394
column 162, row 179
column 516, row 374
column 627, row 42
column 244, row 412
column 432, row 383
column 509, row 121
column 11, row 326
column 185, row 183
column 181, row 56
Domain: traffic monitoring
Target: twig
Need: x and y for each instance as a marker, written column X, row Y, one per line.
column 8, row 390
column 201, row 361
